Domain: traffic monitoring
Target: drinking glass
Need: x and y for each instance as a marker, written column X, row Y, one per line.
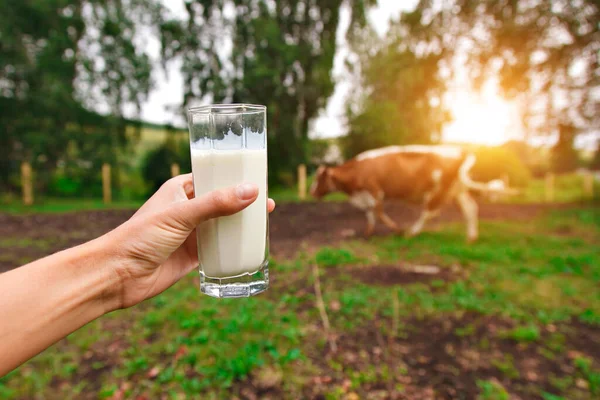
column 228, row 146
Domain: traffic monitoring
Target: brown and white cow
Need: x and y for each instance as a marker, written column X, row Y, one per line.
column 428, row 175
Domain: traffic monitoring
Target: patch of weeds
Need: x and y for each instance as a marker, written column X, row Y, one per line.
column 359, row 378
column 10, row 242
column 96, row 365
column 523, row 334
column 556, row 342
column 238, row 365
column 335, row 394
column 135, row 366
column 336, row 366
column 437, row 283
column 547, row 354
column 166, row 375
column 484, row 344
column 467, row 330
column 568, row 264
column 68, row 370
column 590, row 317
column 152, row 320
column 329, row 257
column 5, row 391
column 506, row 366
column 550, row 396
column 491, row 390
column 107, row 391
column 591, row 375
column 561, row 384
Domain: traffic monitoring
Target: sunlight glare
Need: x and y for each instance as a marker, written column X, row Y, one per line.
column 481, row 118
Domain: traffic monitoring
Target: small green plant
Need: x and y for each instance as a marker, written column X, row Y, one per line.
column 556, row 342
column 136, row 366
column 492, row 390
column 550, row 396
column 329, row 257
column 107, row 391
column 507, row 367
column 467, row 330
column 561, row 384
column 524, row 334
column 591, row 375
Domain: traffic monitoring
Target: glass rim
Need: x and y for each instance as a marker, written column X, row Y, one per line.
column 231, row 108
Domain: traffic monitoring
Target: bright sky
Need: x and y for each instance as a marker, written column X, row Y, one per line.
column 168, row 92
column 483, row 118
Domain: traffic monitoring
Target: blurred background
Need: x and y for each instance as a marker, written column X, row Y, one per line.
column 92, row 120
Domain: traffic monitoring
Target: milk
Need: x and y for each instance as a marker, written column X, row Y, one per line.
column 236, row 244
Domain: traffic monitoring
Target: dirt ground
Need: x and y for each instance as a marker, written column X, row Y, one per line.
column 433, row 357
column 27, row 237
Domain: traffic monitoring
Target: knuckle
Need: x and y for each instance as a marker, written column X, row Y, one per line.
column 169, row 184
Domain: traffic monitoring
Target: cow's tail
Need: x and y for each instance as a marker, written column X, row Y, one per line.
column 495, row 186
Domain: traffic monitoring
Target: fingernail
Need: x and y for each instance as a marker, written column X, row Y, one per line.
column 246, row 191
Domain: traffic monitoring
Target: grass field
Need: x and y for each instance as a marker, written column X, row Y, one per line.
column 516, row 314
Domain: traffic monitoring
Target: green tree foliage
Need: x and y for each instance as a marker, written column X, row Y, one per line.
column 544, row 53
column 281, row 56
column 398, row 100
column 62, row 62
column 498, row 163
column 155, row 165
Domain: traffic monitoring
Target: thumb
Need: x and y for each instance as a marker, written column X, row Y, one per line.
column 189, row 213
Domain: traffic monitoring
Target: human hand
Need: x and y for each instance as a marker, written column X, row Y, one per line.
column 157, row 246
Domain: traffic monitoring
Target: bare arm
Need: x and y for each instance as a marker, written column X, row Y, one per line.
column 44, row 301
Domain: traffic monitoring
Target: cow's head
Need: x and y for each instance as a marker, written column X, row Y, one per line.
column 323, row 183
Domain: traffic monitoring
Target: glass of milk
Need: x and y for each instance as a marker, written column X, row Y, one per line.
column 228, row 145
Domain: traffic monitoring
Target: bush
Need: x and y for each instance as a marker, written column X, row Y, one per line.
column 74, row 181
column 132, row 186
column 156, row 165
column 497, row 162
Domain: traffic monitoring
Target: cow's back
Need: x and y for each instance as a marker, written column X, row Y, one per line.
column 409, row 172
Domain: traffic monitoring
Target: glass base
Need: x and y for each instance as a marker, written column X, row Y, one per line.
column 246, row 285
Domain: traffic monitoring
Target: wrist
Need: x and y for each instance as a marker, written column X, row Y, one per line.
column 100, row 259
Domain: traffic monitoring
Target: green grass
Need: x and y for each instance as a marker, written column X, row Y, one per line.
column 568, row 188
column 491, row 390
column 54, row 205
column 183, row 344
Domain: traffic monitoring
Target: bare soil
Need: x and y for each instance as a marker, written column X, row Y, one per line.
column 28, row 237
column 444, row 357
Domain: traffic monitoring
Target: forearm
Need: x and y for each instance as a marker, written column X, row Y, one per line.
column 44, row 301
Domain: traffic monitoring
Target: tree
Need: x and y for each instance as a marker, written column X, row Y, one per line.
column 595, row 164
column 544, row 54
column 61, row 59
column 281, row 56
column 398, row 94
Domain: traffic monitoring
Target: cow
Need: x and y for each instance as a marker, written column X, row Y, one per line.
column 428, row 175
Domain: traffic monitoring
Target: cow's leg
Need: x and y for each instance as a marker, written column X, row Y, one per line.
column 367, row 202
column 385, row 218
column 470, row 211
column 426, row 215
column 370, row 222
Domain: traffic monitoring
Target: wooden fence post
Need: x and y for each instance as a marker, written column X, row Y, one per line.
column 106, row 188
column 588, row 185
column 506, row 180
column 26, row 183
column 175, row 171
column 302, row 181
column 549, row 187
